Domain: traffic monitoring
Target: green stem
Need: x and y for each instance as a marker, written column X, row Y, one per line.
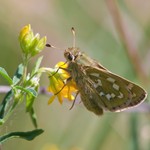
column 17, row 99
column 25, row 63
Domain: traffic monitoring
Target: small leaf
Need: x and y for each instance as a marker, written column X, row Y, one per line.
column 37, row 65
column 5, row 75
column 30, row 99
column 29, row 102
column 18, row 74
column 33, row 117
column 30, row 135
column 32, row 92
column 6, row 104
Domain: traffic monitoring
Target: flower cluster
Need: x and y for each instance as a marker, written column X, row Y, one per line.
column 59, row 85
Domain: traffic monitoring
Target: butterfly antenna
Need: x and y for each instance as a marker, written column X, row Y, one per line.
column 49, row 45
column 74, row 36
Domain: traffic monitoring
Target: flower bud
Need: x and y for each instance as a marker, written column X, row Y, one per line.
column 31, row 44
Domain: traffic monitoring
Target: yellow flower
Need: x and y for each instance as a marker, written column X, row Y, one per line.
column 59, row 86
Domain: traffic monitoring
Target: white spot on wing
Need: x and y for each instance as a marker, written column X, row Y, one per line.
column 130, row 86
column 94, row 74
column 110, row 80
column 113, row 95
column 121, row 95
column 98, row 84
column 101, row 94
column 116, row 87
column 108, row 96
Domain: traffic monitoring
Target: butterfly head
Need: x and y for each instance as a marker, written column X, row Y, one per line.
column 71, row 54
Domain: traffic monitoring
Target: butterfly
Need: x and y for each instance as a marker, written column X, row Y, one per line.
column 99, row 88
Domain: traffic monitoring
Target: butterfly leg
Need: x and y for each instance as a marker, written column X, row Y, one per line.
column 58, row 69
column 69, row 79
column 74, row 100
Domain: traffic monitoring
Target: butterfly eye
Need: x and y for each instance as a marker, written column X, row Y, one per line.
column 70, row 57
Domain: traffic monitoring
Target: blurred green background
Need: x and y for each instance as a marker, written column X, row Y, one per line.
column 97, row 34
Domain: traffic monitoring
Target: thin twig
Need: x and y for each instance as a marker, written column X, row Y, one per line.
column 127, row 40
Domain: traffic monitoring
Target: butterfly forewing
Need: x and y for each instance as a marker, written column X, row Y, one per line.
column 115, row 92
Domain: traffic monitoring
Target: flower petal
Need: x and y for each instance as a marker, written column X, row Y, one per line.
column 51, row 99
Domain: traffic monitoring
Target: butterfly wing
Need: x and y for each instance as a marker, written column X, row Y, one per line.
column 114, row 92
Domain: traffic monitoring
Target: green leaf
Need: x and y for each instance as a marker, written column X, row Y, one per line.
column 30, row 99
column 5, row 75
column 18, row 74
column 37, row 65
column 33, row 117
column 31, row 95
column 29, row 102
column 30, row 135
column 6, row 103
